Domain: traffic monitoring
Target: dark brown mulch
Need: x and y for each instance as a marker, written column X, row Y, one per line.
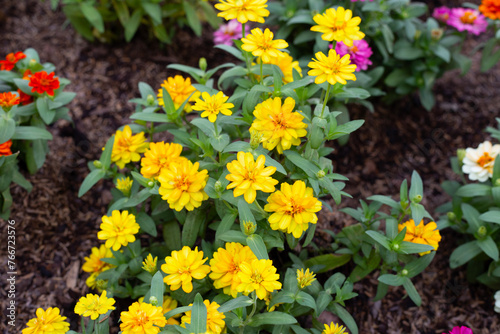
column 55, row 229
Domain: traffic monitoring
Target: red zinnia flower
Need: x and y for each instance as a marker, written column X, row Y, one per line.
column 8, row 100
column 27, row 74
column 24, row 98
column 43, row 82
column 5, row 148
column 11, row 60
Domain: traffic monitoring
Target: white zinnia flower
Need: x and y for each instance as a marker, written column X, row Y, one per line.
column 497, row 301
column 478, row 163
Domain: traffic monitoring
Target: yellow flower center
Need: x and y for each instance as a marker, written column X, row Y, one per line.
column 279, row 121
column 468, row 18
column 295, row 208
column 142, row 318
column 185, row 270
column 182, row 183
column 257, row 278
column 485, row 159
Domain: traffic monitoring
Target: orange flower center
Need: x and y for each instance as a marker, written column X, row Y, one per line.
column 11, row 57
column 354, row 49
column 279, row 121
column 44, row 82
column 142, row 318
column 295, row 208
column 485, row 159
column 468, row 18
column 182, row 182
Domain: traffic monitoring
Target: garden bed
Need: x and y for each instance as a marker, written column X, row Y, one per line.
column 55, row 229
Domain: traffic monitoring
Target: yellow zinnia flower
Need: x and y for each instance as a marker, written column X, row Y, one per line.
column 247, row 176
column 182, row 185
column 215, row 319
column 168, row 305
column 118, row 229
column 294, row 207
column 338, row 25
column 304, row 279
column 47, row 322
column 149, row 264
column 142, row 318
column 279, row 125
column 93, row 263
column 332, row 68
column 179, row 90
column 94, row 305
column 127, row 148
column 182, row 266
column 243, row 10
column 213, row 105
column 225, row 266
column 124, row 185
column 421, row 234
column 261, row 44
column 286, row 65
column 259, row 276
column 158, row 157
column 333, row 329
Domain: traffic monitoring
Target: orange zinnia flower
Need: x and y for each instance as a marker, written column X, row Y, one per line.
column 490, row 9
column 11, row 60
column 8, row 100
column 24, row 98
column 43, row 82
column 5, row 148
column 27, row 74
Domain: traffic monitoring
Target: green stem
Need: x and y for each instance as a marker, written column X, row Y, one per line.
column 83, row 326
column 261, row 76
column 243, row 30
column 264, row 213
column 326, row 99
column 95, row 327
column 216, row 130
column 254, row 308
column 131, row 251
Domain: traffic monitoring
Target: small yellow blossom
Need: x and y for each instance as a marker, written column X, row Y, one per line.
column 421, row 234
column 339, row 25
column 261, row 44
column 247, row 176
column 124, row 185
column 304, row 279
column 332, row 68
column 149, row 264
column 225, row 266
column 182, row 266
column 158, row 157
column 142, row 318
column 168, row 305
column 94, row 305
column 243, row 10
column 93, row 263
column 47, row 322
column 127, row 147
column 259, row 276
column 333, row 329
column 118, row 229
column 180, row 90
column 279, row 125
column 213, row 105
column 182, row 185
column 215, row 319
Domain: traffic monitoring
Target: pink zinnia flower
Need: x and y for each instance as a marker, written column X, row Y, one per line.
column 461, row 330
column 227, row 32
column 360, row 53
column 442, row 13
column 467, row 19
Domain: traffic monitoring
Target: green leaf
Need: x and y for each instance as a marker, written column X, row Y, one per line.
column 146, row 223
column 90, row 180
column 157, row 287
column 192, row 18
column 232, row 304
column 471, row 215
column 417, row 266
column 244, row 212
column 385, row 200
column 464, row 253
column 306, row 299
column 474, row 190
column 43, row 109
column 138, row 198
column 237, row 146
column 327, row 261
column 416, row 187
column 309, row 168
column 92, row 15
column 236, row 71
column 379, row 238
column 405, row 51
column 31, row 133
column 257, row 246
column 491, row 216
column 353, row 93
column 106, row 154
column 150, row 117
column 393, row 280
column 220, row 142
column 191, row 227
column 412, row 292
column 427, row 98
column 273, row 318
column 153, row 10
column 198, row 323
column 233, row 236
column 8, row 129
column 122, row 12
column 411, row 248
column 417, row 212
column 345, row 316
column 172, row 236
column 205, row 126
column 489, row 247
column 133, row 24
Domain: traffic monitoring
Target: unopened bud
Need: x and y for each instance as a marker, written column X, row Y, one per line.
column 320, row 174
column 97, row 164
column 418, row 33
column 202, row 63
column 395, row 247
column 153, row 301
column 497, row 183
column 32, row 63
column 101, row 284
column 150, row 100
column 249, row 228
column 255, row 139
column 481, row 231
column 417, row 199
column 404, row 272
column 460, row 155
column 451, row 216
column 436, row 34
column 151, row 184
column 218, row 186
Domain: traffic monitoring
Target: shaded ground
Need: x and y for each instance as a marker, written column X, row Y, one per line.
column 55, row 229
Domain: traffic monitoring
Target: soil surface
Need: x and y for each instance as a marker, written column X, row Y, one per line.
column 55, row 229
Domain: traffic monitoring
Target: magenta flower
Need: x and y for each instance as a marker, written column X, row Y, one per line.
column 461, row 330
column 227, row 32
column 360, row 53
column 467, row 19
column 442, row 13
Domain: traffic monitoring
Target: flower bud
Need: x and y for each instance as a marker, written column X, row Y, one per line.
column 218, row 186
column 150, row 100
column 417, row 199
column 481, row 231
column 255, row 139
column 320, row 174
column 202, row 63
column 460, row 155
column 404, row 272
column 451, row 216
column 395, row 247
column 97, row 164
column 436, row 34
column 101, row 284
column 418, row 33
column 124, row 185
column 151, row 184
column 32, row 63
column 249, row 228
column 497, row 183
column 153, row 301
